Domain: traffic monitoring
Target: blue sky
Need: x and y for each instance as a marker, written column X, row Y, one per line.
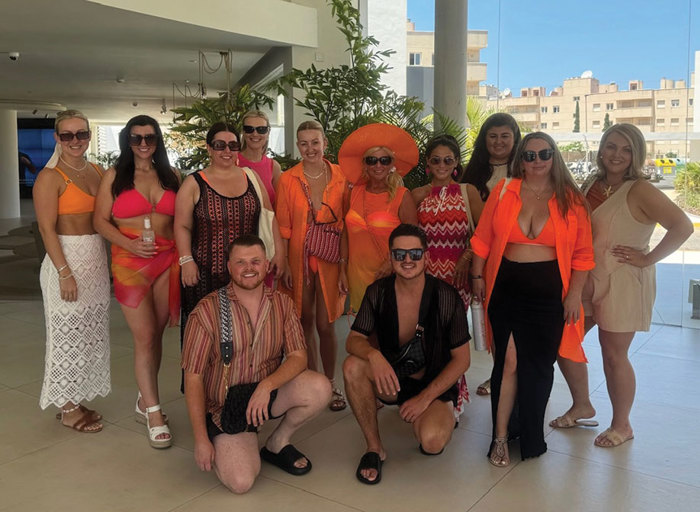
column 545, row 41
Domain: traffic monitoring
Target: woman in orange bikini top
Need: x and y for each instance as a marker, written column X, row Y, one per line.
column 74, row 278
column 137, row 193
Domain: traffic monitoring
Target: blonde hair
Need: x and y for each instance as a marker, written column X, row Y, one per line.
column 64, row 115
column 61, row 116
column 311, row 125
column 393, row 179
column 261, row 115
column 639, row 150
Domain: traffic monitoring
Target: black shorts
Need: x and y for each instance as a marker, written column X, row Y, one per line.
column 213, row 430
column 412, row 387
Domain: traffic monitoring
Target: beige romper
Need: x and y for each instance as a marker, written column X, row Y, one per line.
column 619, row 296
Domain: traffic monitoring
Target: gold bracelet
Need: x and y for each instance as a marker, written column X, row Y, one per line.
column 63, row 278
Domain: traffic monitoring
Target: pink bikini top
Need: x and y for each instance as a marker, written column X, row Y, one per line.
column 131, row 203
column 546, row 236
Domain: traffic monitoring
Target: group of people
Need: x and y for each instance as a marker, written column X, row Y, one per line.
column 256, row 263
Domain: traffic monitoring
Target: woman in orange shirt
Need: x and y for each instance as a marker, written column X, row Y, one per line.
column 309, row 210
column 532, row 253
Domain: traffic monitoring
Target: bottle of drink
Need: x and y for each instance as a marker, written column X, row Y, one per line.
column 478, row 325
column 148, row 235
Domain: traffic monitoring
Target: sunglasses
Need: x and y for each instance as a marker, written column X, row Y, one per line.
column 400, row 254
column 151, row 139
column 220, row 145
column 262, row 130
column 545, row 154
column 435, row 160
column 384, row 160
column 69, row 136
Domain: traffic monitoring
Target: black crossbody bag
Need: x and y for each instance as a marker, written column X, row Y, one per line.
column 410, row 358
column 233, row 420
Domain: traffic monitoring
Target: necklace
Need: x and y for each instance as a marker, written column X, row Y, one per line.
column 538, row 196
column 322, row 173
column 80, row 172
column 608, row 189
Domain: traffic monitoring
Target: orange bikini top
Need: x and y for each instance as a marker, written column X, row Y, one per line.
column 74, row 199
column 546, row 236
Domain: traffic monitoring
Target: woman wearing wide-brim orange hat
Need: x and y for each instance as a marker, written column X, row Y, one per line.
column 374, row 158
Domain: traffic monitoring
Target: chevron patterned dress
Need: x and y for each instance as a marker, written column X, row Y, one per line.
column 443, row 217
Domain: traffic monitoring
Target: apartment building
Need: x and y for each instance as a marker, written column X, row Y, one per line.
column 420, row 50
column 666, row 112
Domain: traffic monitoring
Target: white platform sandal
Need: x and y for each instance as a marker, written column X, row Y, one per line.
column 154, row 432
column 141, row 416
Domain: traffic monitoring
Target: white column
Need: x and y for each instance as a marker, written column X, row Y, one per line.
column 450, row 97
column 9, row 166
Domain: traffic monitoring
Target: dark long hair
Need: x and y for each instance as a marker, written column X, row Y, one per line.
column 478, row 170
column 124, row 178
column 221, row 127
column 450, row 143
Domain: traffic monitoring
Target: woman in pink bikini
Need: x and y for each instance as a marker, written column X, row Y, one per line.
column 134, row 210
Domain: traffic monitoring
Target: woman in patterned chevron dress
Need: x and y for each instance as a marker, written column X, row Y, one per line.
column 74, row 278
column 448, row 212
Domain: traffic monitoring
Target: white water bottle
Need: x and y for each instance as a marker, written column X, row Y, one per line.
column 478, row 325
column 148, row 235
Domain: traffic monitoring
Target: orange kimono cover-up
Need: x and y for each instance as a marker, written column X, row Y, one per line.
column 573, row 244
column 292, row 212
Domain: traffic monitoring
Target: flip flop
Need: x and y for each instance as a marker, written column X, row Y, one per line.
column 370, row 460
column 613, row 436
column 285, row 459
column 565, row 421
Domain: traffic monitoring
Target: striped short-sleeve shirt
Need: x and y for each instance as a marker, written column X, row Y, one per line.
column 257, row 350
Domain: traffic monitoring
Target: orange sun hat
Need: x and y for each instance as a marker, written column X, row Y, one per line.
column 373, row 135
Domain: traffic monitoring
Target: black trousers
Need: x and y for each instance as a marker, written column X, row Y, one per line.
column 527, row 302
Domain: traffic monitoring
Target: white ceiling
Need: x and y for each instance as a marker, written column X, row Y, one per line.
column 72, row 51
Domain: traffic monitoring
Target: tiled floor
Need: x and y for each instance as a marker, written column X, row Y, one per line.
column 46, row 467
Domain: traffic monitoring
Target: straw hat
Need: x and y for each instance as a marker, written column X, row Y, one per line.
column 372, row 135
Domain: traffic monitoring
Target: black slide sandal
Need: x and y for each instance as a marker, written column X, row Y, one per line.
column 370, row 460
column 285, row 459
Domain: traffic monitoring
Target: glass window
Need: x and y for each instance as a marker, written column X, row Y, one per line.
column 555, row 108
column 660, row 103
column 609, row 106
column 543, row 110
column 675, row 103
column 596, row 107
column 414, row 59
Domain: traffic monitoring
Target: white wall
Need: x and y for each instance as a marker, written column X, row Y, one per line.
column 386, row 21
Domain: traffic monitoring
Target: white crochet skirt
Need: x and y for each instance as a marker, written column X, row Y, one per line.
column 77, row 333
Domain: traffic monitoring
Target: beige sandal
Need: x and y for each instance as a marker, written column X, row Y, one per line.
column 499, row 456
column 338, row 402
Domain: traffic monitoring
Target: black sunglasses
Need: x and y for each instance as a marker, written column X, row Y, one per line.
column 262, row 130
column 435, row 160
column 544, row 154
column 384, row 160
column 400, row 254
column 220, row 145
column 68, row 136
column 151, row 139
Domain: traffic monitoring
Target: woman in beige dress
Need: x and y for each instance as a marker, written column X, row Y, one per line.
column 619, row 294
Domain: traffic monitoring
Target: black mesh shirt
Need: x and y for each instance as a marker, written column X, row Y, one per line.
column 445, row 325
